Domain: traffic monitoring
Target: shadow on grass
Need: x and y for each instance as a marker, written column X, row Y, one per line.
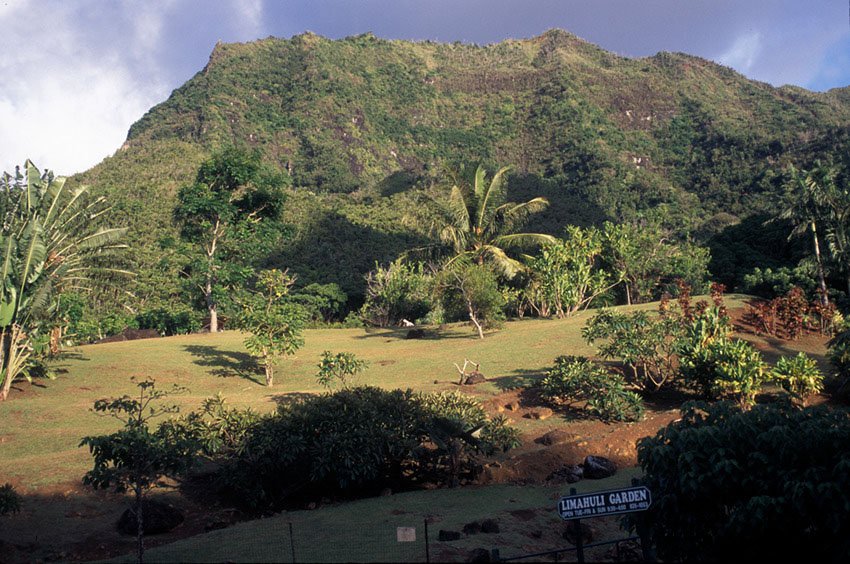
column 413, row 333
column 226, row 364
column 518, row 378
column 290, row 398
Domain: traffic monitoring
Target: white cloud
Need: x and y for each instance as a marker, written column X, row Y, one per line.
column 67, row 103
column 251, row 13
column 744, row 53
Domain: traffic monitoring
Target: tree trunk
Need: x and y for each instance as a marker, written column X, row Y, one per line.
column 628, row 295
column 824, row 297
column 211, row 306
column 475, row 321
column 5, row 344
column 269, row 373
column 140, row 528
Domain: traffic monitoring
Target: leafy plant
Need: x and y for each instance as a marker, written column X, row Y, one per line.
column 799, row 376
column 577, row 379
column 472, row 289
column 717, row 365
column 729, row 483
column 339, row 367
column 402, row 290
column 50, row 243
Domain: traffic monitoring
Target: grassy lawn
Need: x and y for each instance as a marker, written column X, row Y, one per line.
column 41, row 426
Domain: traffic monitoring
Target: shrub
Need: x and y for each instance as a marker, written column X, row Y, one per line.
column 169, row 321
column 725, row 366
column 576, row 379
column 799, row 376
column 768, row 484
column 359, row 439
column 338, row 367
column 399, row 291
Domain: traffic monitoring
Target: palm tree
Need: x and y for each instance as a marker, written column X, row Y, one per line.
column 477, row 223
column 804, row 193
column 49, row 244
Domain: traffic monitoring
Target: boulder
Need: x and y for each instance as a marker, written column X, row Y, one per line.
column 540, row 413
column 157, row 517
column 598, row 467
column 479, row 555
column 489, row 526
column 473, row 378
column 570, row 474
column 445, row 536
column 556, row 437
column 472, row 528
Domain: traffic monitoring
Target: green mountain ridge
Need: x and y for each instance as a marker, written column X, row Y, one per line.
column 362, row 125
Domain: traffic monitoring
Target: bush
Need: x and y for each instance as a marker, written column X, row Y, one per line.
column 768, row 484
column 400, row 291
column 799, row 376
column 169, row 321
column 358, row 439
column 576, row 379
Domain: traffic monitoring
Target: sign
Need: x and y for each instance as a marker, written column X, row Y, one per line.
column 609, row 502
column 405, row 534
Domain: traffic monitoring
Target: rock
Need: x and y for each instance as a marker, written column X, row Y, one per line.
column 446, row 536
column 489, row 526
column 415, row 334
column 474, row 378
column 157, row 517
column 472, row 528
column 540, row 413
column 570, row 533
column 598, row 467
column 386, row 492
column 512, row 406
column 556, row 437
column 570, row 474
column 479, row 555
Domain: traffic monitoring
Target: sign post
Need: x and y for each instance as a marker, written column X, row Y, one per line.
column 575, row 506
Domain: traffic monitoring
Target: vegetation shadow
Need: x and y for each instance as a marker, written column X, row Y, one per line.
column 518, row 378
column 226, row 363
column 290, row 398
column 413, row 333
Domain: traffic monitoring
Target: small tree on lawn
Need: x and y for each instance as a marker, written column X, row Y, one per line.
column 135, row 458
column 275, row 322
column 339, row 367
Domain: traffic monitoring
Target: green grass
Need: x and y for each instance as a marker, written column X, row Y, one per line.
column 41, row 425
column 365, row 530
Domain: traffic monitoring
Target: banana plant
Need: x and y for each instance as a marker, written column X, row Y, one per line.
column 50, row 244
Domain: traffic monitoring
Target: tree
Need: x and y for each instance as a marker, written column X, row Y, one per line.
column 477, row 223
column 218, row 214
column 274, row 321
column 803, row 192
column 339, row 367
column 474, row 288
column 51, row 243
column 135, row 457
column 566, row 276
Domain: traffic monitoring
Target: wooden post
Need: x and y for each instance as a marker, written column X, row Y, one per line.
column 579, row 539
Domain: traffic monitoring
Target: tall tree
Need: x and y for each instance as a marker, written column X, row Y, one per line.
column 803, row 193
column 232, row 194
column 50, row 243
column 478, row 223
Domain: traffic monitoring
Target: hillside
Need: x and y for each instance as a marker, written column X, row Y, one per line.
column 363, row 124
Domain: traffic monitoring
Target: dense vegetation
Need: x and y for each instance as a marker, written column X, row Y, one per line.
column 362, row 130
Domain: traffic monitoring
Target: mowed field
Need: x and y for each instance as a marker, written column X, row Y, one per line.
column 41, row 424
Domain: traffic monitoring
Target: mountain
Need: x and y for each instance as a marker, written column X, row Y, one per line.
column 362, row 125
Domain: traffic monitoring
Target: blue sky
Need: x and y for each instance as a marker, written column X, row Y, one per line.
column 77, row 73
